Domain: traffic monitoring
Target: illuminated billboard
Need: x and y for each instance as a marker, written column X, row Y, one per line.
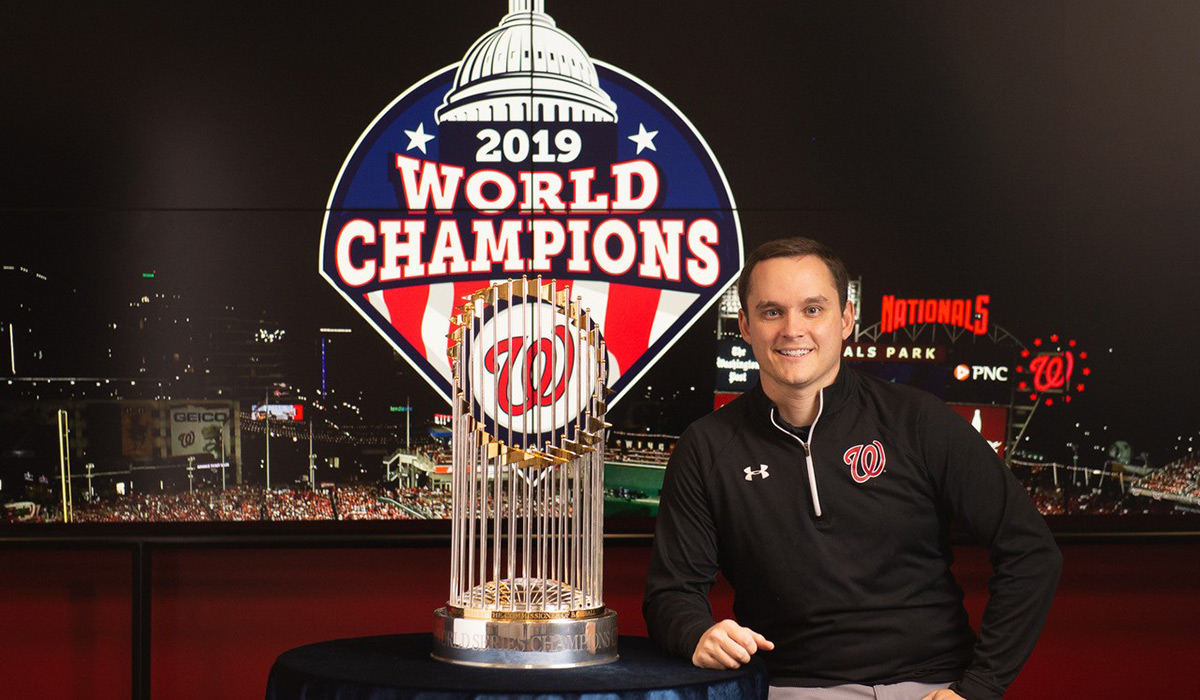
column 277, row 411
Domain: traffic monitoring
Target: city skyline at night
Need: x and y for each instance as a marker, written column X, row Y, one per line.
column 163, row 209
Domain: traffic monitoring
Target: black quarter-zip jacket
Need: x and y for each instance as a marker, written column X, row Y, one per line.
column 838, row 547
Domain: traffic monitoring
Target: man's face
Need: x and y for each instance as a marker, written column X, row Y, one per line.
column 793, row 323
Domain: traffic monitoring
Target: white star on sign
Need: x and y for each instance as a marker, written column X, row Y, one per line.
column 418, row 138
column 644, row 139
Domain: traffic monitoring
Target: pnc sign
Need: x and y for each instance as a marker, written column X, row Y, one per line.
column 530, row 159
column 986, row 373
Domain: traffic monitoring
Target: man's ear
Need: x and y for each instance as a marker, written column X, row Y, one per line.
column 847, row 319
column 744, row 325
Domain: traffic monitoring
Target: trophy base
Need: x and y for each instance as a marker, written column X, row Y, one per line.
column 526, row 644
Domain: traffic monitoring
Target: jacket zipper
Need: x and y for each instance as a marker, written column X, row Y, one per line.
column 808, row 462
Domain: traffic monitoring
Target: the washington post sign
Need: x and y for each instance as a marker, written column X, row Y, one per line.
column 530, row 159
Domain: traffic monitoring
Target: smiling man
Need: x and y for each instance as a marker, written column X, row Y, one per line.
column 825, row 497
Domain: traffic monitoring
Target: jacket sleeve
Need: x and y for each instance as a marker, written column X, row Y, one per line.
column 683, row 560
column 981, row 493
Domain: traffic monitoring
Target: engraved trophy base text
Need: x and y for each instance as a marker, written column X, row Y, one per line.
column 526, row 644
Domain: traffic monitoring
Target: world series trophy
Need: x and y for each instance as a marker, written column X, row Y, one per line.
column 527, row 555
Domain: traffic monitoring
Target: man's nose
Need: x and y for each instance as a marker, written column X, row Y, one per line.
column 795, row 325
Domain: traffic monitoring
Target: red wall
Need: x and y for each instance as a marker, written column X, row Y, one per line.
column 1125, row 623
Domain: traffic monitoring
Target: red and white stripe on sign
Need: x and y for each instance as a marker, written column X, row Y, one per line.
column 630, row 317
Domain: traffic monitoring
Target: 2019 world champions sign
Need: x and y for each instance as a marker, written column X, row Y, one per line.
column 528, row 158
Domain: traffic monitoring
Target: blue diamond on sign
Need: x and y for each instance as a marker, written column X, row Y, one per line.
column 530, row 159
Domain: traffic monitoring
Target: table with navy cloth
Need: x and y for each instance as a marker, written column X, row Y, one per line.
column 395, row 667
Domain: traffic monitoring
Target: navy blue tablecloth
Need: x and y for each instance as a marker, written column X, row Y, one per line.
column 396, row 667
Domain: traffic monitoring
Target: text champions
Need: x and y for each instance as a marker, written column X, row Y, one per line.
column 538, row 222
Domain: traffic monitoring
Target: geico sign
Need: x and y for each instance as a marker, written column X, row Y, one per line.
column 200, row 416
column 981, row 373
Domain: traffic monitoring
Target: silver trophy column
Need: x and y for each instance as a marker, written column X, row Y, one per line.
column 527, row 556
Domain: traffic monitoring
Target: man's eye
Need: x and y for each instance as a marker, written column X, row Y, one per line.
column 771, row 313
column 813, row 310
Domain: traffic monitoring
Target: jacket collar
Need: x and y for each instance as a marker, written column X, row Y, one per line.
column 835, row 395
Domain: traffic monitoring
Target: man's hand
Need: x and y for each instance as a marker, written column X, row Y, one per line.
column 945, row 694
column 728, row 645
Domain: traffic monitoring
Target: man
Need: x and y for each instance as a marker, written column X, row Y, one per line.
column 825, row 496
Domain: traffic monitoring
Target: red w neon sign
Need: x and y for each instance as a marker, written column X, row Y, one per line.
column 1053, row 371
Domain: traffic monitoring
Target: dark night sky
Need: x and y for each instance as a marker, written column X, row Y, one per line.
column 1045, row 153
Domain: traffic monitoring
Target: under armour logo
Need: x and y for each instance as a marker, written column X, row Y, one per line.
column 751, row 472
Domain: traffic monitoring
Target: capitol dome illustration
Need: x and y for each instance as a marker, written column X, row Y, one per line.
column 526, row 69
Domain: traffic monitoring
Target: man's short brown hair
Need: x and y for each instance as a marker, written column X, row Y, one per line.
column 796, row 247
